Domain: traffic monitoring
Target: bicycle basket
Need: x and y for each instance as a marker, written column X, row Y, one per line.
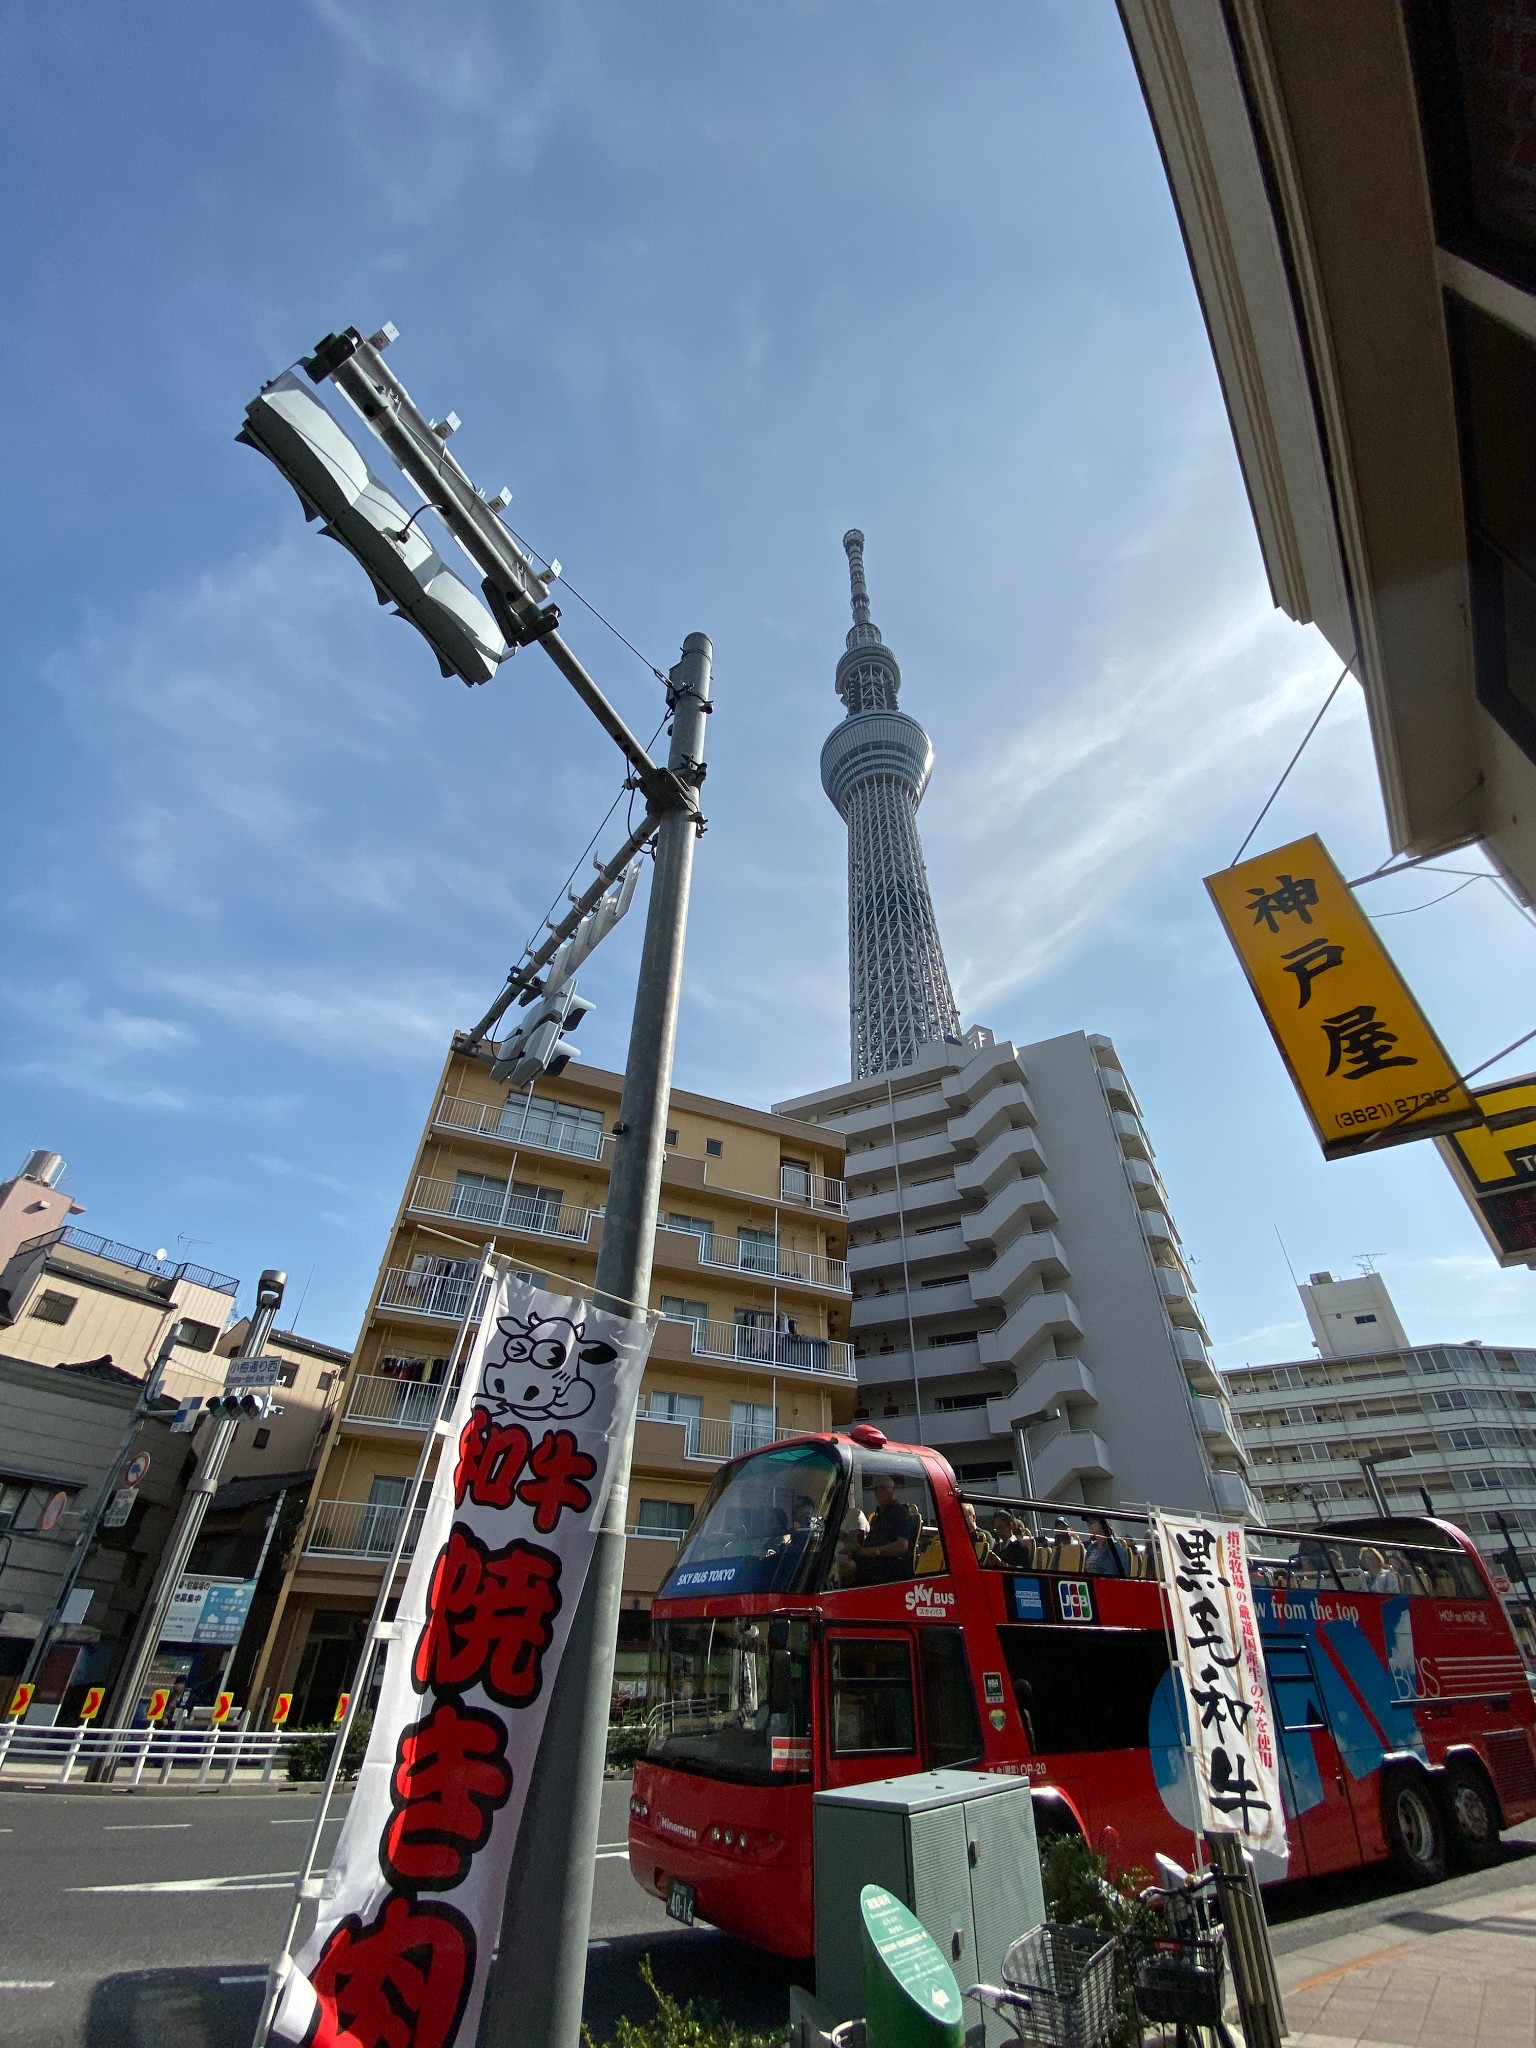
column 1068, row 1975
column 1180, row 1980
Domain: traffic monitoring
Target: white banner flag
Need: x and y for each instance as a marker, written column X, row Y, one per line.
column 1227, row 1711
column 411, row 1905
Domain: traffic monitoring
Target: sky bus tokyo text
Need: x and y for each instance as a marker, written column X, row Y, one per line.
column 841, row 1611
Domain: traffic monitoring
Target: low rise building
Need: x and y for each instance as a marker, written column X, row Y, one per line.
column 1021, row 1299
column 1446, row 1427
column 750, row 1276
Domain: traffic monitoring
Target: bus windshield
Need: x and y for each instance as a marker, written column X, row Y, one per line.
column 761, row 1526
column 731, row 1697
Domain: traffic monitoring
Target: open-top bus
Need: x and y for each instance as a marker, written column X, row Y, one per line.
column 841, row 1611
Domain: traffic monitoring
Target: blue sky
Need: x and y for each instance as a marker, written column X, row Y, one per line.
column 706, row 284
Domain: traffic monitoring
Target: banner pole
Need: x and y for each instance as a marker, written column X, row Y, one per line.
column 379, row 1630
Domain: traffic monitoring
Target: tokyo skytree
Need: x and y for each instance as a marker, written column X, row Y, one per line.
column 875, row 767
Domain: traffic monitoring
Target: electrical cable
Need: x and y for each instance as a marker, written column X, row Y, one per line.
column 530, row 549
column 1312, row 728
column 1494, row 1058
column 1412, row 907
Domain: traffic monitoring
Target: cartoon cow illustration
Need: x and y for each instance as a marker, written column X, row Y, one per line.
column 533, row 1368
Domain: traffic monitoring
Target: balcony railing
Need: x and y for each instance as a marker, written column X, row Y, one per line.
column 428, row 1294
column 714, row 1438
column 533, row 1122
column 359, row 1528
column 797, row 1184
column 396, row 1404
column 772, row 1261
column 785, row 1350
column 127, row 1255
column 502, row 1209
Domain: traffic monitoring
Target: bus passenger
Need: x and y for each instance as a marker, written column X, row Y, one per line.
column 1013, row 1549
column 1379, row 1576
column 888, row 1548
column 1104, row 1553
column 981, row 1542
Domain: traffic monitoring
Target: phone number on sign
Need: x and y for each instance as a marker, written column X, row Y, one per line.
column 1389, row 1112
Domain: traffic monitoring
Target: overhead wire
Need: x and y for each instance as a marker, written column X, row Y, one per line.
column 548, row 561
column 1412, row 907
column 1312, row 728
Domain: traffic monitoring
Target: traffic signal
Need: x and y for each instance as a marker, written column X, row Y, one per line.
column 288, row 424
column 242, row 1405
column 594, row 927
column 537, row 1043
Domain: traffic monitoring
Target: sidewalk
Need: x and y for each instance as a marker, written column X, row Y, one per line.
column 1456, row 1974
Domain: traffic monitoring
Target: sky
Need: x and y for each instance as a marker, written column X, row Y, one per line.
column 706, row 285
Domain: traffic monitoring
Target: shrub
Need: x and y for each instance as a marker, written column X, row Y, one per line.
column 309, row 1760
column 626, row 1744
column 684, row 2023
column 1078, row 1887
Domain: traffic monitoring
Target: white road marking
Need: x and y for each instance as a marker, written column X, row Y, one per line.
column 27, row 1983
column 611, row 1855
column 141, row 1827
column 259, row 1978
column 305, row 1820
column 258, row 1881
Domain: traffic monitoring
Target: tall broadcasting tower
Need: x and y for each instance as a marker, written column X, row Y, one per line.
column 875, row 767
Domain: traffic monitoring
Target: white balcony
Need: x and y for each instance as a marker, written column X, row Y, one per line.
column 359, row 1528
column 1232, row 1495
column 712, row 1439
column 1217, row 1427
column 502, row 1211
column 389, row 1403
column 1178, row 1300
column 778, row 1350
column 1146, row 1184
column 771, row 1261
column 424, row 1293
column 521, row 1122
column 814, row 1189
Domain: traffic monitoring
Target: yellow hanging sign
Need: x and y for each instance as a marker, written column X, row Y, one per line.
column 1495, row 1167
column 1364, row 1059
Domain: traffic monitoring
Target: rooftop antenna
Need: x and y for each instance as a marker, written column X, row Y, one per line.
column 1366, row 1261
column 1279, row 1240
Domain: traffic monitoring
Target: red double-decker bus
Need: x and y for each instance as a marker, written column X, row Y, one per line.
column 841, row 1611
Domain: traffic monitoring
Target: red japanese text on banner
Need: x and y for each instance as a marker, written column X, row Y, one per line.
column 1229, row 1722
column 410, row 1908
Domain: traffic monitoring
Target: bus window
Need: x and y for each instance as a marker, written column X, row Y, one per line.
column 949, row 1703
column 727, row 1698
column 889, row 1529
column 871, row 1696
column 762, row 1525
column 1296, row 1697
column 1085, row 1688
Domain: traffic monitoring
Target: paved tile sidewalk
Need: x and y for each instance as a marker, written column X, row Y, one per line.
column 1458, row 1975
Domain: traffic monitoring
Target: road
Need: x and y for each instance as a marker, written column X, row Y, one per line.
column 146, row 1921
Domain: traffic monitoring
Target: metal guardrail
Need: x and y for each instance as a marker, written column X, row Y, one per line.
column 129, row 1255
column 505, row 1211
column 797, row 1184
column 785, row 1350
column 530, row 1124
column 429, row 1294
column 714, row 1438
column 360, row 1528
column 37, row 1751
column 773, row 1262
column 398, row 1404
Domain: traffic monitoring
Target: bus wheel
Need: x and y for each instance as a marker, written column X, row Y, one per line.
column 1415, row 1835
column 1472, row 1818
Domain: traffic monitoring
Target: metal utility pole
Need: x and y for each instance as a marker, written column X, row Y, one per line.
column 1253, row 1962
column 90, row 1528
column 535, row 1994
column 173, row 1562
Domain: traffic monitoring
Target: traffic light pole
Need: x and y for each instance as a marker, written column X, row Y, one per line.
column 173, row 1561
column 535, row 1994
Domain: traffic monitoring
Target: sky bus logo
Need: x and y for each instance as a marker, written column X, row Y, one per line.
column 928, row 1600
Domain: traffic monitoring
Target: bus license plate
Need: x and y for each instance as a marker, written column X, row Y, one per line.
column 680, row 1901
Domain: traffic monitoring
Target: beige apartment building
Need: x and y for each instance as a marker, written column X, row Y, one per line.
column 750, row 1277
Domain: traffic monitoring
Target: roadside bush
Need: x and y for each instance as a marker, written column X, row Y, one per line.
column 308, row 1761
column 684, row 2023
column 1078, row 1887
column 626, row 1744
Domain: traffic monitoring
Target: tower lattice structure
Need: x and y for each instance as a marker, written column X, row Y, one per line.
column 875, row 767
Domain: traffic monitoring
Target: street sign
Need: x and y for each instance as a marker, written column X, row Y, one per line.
column 54, row 1512
column 282, row 1709
column 221, row 1708
column 1494, row 1165
column 135, row 1469
column 159, row 1700
column 911, row 1999
column 252, row 1372
column 208, row 1610
column 1365, row 1062
column 90, row 1706
column 21, row 1699
column 120, row 1509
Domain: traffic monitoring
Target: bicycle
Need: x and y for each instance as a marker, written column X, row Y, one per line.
column 1179, row 1975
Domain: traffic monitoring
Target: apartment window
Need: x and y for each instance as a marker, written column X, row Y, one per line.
column 945, row 1280
column 664, row 1518
column 559, row 1126
column 1365, row 1319
column 286, row 1375
column 479, row 1196
column 325, row 1382
column 261, row 1439
column 535, row 1208
column 795, row 1178
column 713, row 1148
column 682, row 1310
column 954, row 1337
column 757, row 1251
column 54, row 1308
column 953, row 1401
column 671, row 1137
column 696, row 1226
column 196, row 1336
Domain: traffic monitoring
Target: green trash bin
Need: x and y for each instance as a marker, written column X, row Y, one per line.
column 911, row 1999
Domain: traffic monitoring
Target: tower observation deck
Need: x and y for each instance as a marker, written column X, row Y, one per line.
column 875, row 767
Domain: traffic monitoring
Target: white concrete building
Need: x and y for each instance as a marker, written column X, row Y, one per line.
column 1020, row 1298
column 1453, row 1422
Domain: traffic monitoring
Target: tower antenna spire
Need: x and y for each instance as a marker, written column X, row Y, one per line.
column 853, row 547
